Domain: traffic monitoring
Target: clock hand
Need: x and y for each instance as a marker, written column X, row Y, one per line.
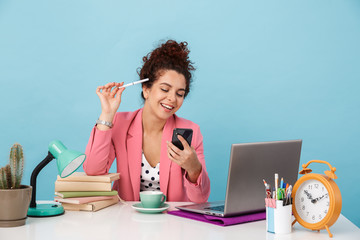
column 308, row 194
column 315, row 200
column 318, row 198
column 322, row 196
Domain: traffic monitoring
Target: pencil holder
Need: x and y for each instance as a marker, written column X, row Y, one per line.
column 278, row 217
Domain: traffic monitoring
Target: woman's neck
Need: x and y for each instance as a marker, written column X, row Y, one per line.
column 150, row 123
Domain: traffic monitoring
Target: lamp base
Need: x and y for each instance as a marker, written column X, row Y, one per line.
column 45, row 210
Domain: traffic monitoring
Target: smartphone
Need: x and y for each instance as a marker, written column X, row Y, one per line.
column 185, row 133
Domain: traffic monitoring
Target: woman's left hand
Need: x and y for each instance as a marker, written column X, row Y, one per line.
column 187, row 158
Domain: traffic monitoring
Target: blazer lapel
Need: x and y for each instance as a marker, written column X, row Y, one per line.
column 165, row 162
column 134, row 151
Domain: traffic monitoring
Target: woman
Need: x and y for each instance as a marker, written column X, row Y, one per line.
column 141, row 140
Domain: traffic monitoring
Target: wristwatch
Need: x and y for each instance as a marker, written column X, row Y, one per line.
column 108, row 124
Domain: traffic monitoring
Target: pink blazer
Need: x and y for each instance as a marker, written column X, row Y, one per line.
column 124, row 142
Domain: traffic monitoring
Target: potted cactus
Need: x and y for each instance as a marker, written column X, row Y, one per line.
column 14, row 197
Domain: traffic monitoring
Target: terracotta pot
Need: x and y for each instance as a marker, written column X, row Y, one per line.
column 14, row 204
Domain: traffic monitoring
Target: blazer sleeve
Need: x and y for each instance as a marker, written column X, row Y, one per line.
column 100, row 152
column 198, row 192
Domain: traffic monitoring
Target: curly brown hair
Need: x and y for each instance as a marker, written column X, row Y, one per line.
column 169, row 56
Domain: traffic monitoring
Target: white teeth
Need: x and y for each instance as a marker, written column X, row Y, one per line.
column 166, row 106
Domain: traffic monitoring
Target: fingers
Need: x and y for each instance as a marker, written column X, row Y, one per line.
column 172, row 158
column 173, row 150
column 109, row 89
column 184, row 158
column 174, row 153
column 109, row 85
column 183, row 141
column 98, row 90
column 101, row 89
column 119, row 91
column 114, row 90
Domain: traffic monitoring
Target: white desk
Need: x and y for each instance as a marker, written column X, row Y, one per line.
column 122, row 222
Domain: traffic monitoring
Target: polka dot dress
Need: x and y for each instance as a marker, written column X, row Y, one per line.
column 150, row 176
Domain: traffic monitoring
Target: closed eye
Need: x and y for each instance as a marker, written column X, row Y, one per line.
column 166, row 90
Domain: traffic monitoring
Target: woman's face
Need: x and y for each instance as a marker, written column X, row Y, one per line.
column 166, row 95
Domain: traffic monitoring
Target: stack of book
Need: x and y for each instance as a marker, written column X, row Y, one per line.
column 86, row 193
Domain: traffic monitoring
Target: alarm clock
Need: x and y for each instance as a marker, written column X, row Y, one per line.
column 316, row 199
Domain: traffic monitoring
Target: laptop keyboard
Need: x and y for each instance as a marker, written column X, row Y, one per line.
column 217, row 208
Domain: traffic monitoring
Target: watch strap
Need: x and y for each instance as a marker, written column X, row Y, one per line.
column 108, row 124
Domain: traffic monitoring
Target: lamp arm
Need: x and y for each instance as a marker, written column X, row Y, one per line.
column 34, row 174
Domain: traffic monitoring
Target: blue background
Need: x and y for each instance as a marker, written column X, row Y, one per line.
column 266, row 70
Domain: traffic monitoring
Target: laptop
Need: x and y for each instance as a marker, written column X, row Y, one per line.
column 250, row 163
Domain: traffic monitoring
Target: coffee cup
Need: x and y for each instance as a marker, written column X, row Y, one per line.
column 152, row 199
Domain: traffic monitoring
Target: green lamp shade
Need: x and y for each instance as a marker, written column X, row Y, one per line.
column 67, row 160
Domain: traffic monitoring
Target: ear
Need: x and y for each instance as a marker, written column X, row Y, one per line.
column 145, row 91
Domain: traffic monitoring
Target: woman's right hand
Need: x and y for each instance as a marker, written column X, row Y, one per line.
column 110, row 99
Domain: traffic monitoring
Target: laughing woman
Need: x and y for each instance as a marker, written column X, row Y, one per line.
column 141, row 140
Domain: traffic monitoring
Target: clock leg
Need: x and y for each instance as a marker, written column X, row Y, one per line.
column 293, row 222
column 328, row 230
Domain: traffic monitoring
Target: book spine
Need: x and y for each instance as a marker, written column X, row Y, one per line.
column 81, row 186
column 82, row 177
column 76, row 207
column 103, row 204
column 93, row 207
column 73, row 194
column 83, row 200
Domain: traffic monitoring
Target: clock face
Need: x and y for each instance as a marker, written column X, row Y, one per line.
column 312, row 201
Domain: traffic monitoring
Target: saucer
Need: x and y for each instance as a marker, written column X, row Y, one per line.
column 138, row 207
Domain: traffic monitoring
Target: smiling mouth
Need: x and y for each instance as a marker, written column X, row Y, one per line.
column 167, row 106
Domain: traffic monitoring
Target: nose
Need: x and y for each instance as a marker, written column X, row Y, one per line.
column 171, row 96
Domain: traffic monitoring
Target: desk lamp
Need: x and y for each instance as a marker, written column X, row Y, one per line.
column 67, row 162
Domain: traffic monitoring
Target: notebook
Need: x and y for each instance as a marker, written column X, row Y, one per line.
column 250, row 163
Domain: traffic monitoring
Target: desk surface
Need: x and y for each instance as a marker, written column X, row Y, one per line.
column 121, row 221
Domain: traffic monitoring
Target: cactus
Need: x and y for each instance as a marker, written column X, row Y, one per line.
column 3, row 180
column 5, row 177
column 16, row 164
column 11, row 174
